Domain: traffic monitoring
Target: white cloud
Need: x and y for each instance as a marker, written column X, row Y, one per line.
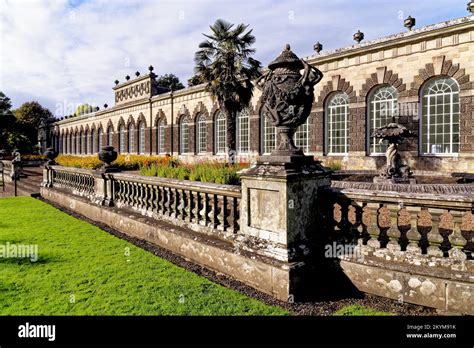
column 60, row 52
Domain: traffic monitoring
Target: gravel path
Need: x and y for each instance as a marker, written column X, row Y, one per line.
column 308, row 308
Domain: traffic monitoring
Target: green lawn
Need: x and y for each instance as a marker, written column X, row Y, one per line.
column 359, row 311
column 82, row 270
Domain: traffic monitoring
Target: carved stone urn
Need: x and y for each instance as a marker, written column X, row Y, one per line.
column 107, row 155
column 287, row 97
column 51, row 154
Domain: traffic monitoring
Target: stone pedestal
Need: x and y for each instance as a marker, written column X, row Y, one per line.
column 279, row 214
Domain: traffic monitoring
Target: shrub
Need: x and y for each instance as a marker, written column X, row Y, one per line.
column 213, row 172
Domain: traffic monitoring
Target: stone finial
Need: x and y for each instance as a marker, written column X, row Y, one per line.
column 105, row 106
column 116, row 82
column 127, row 77
column 150, row 68
column 359, row 36
column 97, row 108
column 137, row 73
column 470, row 6
column 318, row 47
column 409, row 23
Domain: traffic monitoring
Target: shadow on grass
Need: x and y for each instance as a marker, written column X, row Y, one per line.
column 28, row 260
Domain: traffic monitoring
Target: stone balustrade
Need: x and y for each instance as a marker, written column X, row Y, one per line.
column 203, row 207
column 439, row 226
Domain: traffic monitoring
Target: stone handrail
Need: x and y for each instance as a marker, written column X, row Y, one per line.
column 438, row 226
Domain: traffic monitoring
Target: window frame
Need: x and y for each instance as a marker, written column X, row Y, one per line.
column 427, row 84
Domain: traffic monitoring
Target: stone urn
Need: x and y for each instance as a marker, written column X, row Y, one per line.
column 107, row 155
column 51, row 154
column 287, row 98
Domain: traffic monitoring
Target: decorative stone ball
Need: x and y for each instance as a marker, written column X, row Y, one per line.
column 127, row 77
column 150, row 68
column 116, row 82
column 51, row 154
column 137, row 73
column 107, row 155
column 105, row 106
column 470, row 6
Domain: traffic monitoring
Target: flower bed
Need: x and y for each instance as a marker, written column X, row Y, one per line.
column 124, row 162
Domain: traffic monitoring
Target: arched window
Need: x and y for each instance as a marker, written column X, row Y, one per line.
column 122, row 147
column 440, row 117
column 221, row 133
column 160, row 146
column 110, row 136
column 131, row 138
column 337, row 124
column 243, row 131
column 184, row 135
column 93, row 147
column 301, row 137
column 141, row 138
column 383, row 108
column 201, row 134
column 99, row 143
column 268, row 136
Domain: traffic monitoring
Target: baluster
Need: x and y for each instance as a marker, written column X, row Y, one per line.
column 168, row 201
column 361, row 227
column 155, row 198
column 413, row 235
column 196, row 207
column 231, row 217
column 189, row 205
column 214, row 221
column 374, row 230
column 222, row 212
column 203, row 213
column 393, row 233
column 456, row 239
column 181, row 210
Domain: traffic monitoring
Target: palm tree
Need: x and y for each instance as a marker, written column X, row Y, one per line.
column 225, row 64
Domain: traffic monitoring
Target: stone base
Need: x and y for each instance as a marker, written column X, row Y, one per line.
column 380, row 180
column 287, row 167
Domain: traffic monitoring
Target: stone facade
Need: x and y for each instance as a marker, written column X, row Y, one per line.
column 404, row 61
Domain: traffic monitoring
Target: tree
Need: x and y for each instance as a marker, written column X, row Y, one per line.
column 84, row 109
column 225, row 64
column 170, row 81
column 194, row 81
column 7, row 121
column 28, row 118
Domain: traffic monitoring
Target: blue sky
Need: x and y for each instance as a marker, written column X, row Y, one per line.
column 66, row 52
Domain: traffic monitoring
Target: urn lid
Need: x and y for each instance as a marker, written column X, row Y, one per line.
column 286, row 59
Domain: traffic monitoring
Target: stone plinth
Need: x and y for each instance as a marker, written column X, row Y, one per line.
column 279, row 212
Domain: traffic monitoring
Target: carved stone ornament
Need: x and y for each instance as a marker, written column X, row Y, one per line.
column 287, row 98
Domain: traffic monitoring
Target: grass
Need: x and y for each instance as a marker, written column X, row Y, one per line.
column 82, row 270
column 359, row 311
